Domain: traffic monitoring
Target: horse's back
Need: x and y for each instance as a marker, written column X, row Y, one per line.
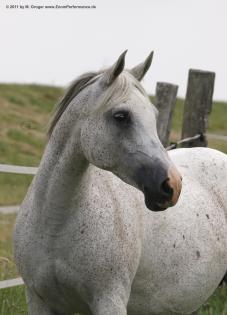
column 206, row 166
column 184, row 254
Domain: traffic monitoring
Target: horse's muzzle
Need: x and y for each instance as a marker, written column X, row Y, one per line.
column 161, row 189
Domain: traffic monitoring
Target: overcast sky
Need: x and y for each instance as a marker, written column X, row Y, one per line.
column 53, row 46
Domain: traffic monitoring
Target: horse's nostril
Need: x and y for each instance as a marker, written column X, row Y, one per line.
column 166, row 188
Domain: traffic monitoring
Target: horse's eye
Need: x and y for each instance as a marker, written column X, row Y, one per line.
column 122, row 117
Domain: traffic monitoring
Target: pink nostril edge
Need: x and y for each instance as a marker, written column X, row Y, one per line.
column 175, row 182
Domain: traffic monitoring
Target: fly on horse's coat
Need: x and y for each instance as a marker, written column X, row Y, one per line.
column 91, row 236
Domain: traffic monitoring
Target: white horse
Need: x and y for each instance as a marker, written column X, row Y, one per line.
column 85, row 239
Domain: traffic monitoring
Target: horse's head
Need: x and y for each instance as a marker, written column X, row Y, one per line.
column 119, row 134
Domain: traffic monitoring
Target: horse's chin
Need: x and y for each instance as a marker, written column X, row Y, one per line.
column 155, row 206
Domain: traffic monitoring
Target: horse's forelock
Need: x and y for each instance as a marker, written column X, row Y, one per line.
column 119, row 90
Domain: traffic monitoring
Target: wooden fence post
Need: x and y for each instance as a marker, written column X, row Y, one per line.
column 198, row 105
column 165, row 100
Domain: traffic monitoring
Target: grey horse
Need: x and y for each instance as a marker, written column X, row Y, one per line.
column 86, row 240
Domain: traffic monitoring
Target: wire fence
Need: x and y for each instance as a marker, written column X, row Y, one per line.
column 174, row 145
column 199, row 136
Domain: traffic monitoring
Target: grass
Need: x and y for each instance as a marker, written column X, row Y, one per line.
column 24, row 113
column 12, row 300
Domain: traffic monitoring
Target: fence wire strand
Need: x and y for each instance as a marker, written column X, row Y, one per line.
column 185, row 140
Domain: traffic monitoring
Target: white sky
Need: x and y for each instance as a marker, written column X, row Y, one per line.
column 55, row 46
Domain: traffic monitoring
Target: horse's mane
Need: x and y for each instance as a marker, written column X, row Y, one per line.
column 74, row 89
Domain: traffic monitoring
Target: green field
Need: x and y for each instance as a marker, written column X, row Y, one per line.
column 24, row 114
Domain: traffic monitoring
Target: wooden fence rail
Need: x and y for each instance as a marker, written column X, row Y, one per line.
column 11, row 283
column 15, row 169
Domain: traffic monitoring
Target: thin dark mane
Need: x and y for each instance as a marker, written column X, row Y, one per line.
column 78, row 85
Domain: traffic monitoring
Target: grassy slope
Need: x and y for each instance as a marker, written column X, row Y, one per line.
column 24, row 114
column 12, row 300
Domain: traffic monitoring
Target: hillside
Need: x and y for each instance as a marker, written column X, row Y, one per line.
column 24, row 114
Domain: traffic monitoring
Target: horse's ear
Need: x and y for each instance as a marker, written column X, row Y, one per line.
column 116, row 69
column 139, row 71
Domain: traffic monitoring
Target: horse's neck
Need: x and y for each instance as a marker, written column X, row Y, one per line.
column 60, row 173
